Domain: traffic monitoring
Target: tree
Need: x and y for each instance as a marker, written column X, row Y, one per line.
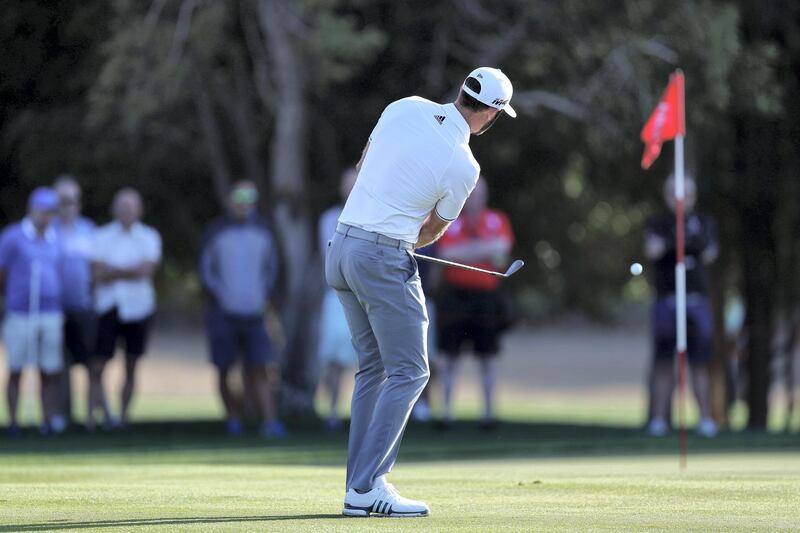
column 249, row 70
column 181, row 97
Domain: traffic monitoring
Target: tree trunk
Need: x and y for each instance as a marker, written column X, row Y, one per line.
column 757, row 291
column 212, row 135
column 301, row 273
column 758, row 174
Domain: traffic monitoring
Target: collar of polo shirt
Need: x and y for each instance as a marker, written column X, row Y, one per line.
column 458, row 119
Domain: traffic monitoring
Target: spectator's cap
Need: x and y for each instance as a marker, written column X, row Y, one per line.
column 495, row 90
column 43, row 199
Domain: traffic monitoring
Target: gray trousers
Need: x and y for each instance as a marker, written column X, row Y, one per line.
column 381, row 293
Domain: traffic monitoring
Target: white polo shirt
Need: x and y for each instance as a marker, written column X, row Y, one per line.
column 135, row 299
column 418, row 159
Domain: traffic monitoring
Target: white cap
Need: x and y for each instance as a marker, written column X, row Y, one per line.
column 496, row 89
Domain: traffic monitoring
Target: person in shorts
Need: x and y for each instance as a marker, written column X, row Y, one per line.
column 30, row 263
column 238, row 268
column 125, row 255
column 75, row 234
column 701, row 249
column 470, row 308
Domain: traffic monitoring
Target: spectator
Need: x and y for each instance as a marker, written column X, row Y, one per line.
column 701, row 249
column 124, row 259
column 239, row 268
column 470, row 307
column 336, row 352
column 29, row 270
column 75, row 234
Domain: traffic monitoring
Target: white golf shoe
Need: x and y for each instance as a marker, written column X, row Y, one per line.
column 382, row 500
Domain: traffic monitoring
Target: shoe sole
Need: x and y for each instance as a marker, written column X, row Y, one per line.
column 355, row 511
column 365, row 512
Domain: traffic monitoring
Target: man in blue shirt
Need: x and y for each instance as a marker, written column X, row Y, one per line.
column 30, row 264
column 239, row 268
column 75, row 234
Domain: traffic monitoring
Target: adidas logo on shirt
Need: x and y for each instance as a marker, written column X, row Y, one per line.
column 439, row 118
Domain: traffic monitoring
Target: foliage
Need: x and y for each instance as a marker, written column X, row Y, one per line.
column 115, row 91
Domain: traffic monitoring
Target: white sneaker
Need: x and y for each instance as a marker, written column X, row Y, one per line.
column 383, row 500
column 707, row 428
column 657, row 427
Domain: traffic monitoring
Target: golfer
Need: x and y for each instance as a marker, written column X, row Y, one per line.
column 414, row 176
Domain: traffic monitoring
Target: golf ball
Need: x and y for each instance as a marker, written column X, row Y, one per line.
column 636, row 269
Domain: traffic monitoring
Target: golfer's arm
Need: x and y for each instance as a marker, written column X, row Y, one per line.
column 433, row 228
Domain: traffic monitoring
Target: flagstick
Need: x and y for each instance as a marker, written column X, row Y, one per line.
column 680, row 294
column 668, row 121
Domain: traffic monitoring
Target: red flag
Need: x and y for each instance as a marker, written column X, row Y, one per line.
column 666, row 121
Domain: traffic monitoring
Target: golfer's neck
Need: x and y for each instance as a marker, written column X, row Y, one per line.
column 464, row 113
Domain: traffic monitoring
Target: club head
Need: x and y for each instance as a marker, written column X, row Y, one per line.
column 516, row 265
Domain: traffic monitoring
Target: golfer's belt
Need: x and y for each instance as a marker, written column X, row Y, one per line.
column 371, row 236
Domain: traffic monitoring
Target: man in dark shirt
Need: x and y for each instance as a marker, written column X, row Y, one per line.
column 701, row 250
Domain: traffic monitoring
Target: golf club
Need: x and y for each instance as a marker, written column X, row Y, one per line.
column 516, row 265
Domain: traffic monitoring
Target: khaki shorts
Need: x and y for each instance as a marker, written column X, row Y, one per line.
column 35, row 341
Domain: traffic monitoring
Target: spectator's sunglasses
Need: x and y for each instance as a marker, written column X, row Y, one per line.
column 245, row 195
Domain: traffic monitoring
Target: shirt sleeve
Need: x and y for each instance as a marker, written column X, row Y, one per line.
column 96, row 253
column 456, row 185
column 153, row 250
column 208, row 268
column 271, row 266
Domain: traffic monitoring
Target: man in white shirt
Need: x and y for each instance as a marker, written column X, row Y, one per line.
column 124, row 258
column 415, row 174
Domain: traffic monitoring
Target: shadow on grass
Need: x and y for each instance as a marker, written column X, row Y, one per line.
column 205, row 442
column 134, row 522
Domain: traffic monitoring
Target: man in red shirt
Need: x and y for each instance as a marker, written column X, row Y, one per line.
column 470, row 307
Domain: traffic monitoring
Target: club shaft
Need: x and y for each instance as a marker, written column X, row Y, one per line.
column 458, row 265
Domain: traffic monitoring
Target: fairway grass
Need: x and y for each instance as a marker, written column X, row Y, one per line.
column 525, row 477
column 719, row 493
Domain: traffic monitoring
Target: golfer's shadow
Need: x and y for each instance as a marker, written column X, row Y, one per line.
column 175, row 521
